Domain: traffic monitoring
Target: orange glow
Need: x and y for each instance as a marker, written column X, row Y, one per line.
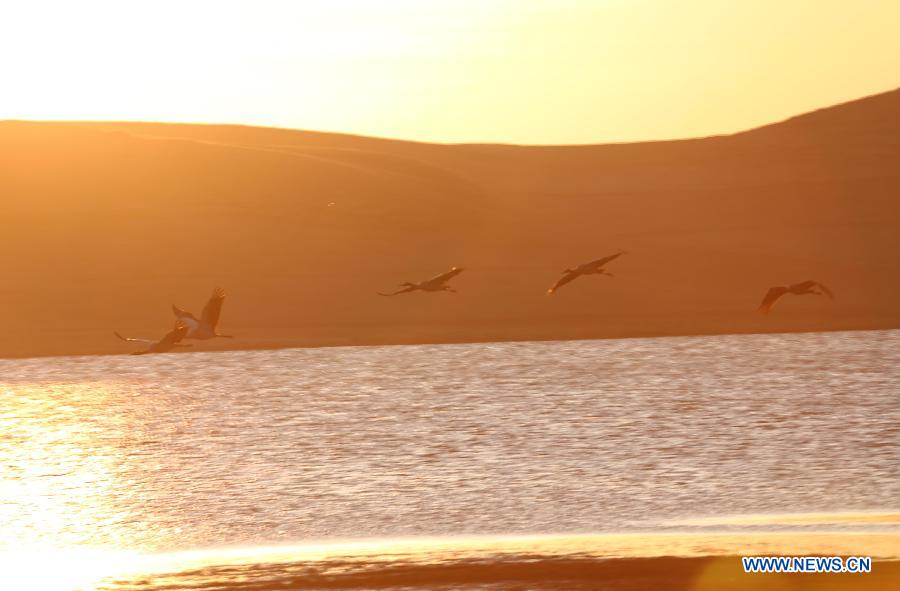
column 533, row 71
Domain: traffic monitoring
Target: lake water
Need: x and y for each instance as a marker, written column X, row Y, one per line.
column 198, row 451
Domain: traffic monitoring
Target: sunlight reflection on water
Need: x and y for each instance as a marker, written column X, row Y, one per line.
column 199, row 450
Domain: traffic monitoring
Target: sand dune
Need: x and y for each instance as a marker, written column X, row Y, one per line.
column 105, row 224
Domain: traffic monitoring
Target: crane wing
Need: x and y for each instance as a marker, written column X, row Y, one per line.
column 131, row 340
column 600, row 262
column 175, row 335
column 771, row 296
column 802, row 286
column 827, row 291
column 213, row 308
column 398, row 292
column 182, row 313
column 568, row 277
column 444, row 277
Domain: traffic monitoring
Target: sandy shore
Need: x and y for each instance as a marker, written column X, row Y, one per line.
column 681, row 560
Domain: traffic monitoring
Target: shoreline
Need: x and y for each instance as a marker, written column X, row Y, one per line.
column 674, row 560
column 303, row 344
column 625, row 574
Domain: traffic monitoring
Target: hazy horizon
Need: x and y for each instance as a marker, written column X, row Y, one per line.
column 412, row 140
column 532, row 72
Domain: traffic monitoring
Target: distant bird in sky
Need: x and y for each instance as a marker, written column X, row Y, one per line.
column 171, row 340
column 804, row 288
column 591, row 268
column 205, row 327
column 438, row 283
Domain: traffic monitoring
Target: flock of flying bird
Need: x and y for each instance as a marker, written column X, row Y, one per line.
column 188, row 326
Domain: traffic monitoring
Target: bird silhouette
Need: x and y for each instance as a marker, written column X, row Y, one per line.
column 205, row 327
column 171, row 340
column 803, row 288
column 438, row 283
column 591, row 268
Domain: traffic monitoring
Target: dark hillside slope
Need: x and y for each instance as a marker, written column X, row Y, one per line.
column 103, row 225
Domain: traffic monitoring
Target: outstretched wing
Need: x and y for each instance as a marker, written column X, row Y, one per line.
column 600, row 262
column 175, row 335
column 130, row 340
column 445, row 277
column 399, row 291
column 825, row 290
column 568, row 277
column 802, row 286
column 213, row 308
column 771, row 296
column 182, row 313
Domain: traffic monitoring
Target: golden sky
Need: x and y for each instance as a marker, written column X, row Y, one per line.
column 526, row 71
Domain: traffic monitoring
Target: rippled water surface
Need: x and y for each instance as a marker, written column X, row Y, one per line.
column 199, row 450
